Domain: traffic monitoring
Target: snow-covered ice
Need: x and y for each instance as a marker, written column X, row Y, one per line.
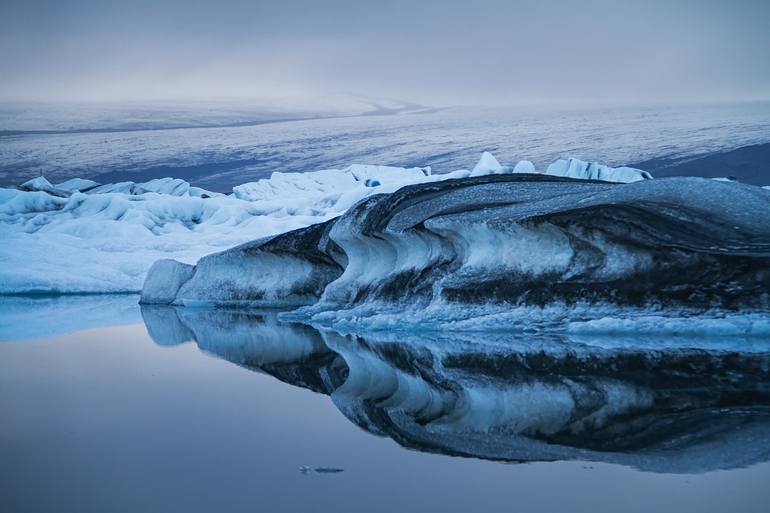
column 59, row 240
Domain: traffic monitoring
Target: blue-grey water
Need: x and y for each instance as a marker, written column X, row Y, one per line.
column 106, row 407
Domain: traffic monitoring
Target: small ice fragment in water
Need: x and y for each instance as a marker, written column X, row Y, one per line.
column 304, row 469
column 328, row 470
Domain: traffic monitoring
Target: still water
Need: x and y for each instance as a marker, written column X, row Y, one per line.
column 201, row 410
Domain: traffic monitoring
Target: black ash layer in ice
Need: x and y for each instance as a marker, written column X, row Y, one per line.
column 499, row 241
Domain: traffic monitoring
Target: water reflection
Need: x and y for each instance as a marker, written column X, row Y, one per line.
column 682, row 406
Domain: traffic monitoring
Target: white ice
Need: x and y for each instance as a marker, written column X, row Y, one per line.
column 105, row 239
column 570, row 168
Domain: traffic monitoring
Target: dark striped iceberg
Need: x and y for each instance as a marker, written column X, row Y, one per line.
column 506, row 248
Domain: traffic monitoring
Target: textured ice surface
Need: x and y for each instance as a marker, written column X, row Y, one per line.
column 575, row 168
column 167, row 276
column 37, row 184
column 77, row 185
column 59, row 240
column 516, row 251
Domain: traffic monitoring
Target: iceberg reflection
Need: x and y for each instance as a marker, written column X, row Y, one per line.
column 686, row 407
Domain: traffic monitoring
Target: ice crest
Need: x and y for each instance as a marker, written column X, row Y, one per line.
column 487, row 164
column 575, row 168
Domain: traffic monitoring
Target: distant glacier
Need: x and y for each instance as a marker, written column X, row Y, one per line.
column 221, row 157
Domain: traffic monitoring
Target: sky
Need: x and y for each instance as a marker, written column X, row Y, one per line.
column 432, row 52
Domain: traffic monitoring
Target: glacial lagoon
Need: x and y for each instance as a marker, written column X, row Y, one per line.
column 107, row 406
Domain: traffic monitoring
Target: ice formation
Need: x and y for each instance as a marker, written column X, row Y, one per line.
column 575, row 168
column 458, row 250
column 570, row 168
column 80, row 236
column 77, row 185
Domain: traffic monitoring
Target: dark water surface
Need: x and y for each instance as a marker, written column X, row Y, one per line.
column 218, row 411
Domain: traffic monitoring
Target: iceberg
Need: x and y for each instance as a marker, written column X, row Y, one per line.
column 41, row 184
column 459, row 250
column 569, row 168
column 575, row 168
column 77, row 185
column 486, row 165
column 37, row 184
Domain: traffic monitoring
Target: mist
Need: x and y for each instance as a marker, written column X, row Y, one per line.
column 435, row 53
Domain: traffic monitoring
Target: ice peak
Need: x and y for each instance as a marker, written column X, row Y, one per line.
column 525, row 166
column 37, row 184
column 486, row 165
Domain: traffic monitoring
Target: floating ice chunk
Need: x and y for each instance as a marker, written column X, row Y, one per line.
column 510, row 239
column 387, row 174
column 170, row 186
column 164, row 279
column 328, row 470
column 524, row 166
column 77, row 185
column 37, row 184
column 575, row 168
column 197, row 192
column 43, row 185
column 166, row 186
column 119, row 187
column 487, row 165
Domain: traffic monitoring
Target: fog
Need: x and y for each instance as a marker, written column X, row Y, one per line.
column 435, row 52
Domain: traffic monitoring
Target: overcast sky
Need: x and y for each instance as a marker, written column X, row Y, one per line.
column 432, row 52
